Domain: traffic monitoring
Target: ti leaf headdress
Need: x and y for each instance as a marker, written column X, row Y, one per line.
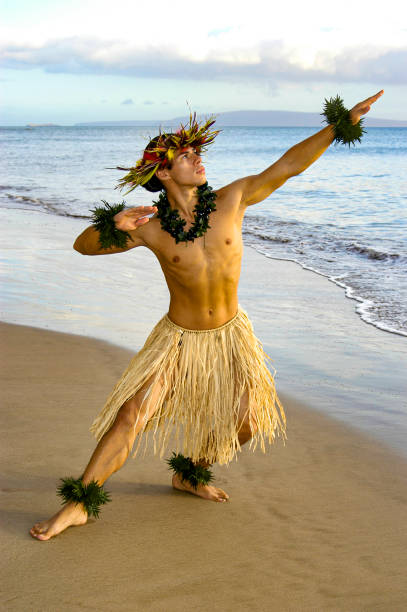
column 164, row 148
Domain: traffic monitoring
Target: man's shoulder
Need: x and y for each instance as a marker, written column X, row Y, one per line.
column 230, row 190
column 230, row 195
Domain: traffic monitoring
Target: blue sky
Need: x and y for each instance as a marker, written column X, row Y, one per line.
column 70, row 61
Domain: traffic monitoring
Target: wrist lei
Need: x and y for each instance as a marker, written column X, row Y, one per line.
column 339, row 117
column 172, row 223
column 92, row 495
column 103, row 221
column 193, row 473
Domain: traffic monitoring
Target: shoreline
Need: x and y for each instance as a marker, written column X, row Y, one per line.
column 317, row 523
column 359, row 309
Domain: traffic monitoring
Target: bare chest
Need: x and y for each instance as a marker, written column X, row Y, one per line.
column 215, row 253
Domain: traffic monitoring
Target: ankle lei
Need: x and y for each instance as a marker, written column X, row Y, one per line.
column 192, row 472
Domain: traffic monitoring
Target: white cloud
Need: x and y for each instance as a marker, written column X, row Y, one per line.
column 127, row 101
column 269, row 61
column 211, row 26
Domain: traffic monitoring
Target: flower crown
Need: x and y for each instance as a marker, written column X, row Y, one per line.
column 163, row 151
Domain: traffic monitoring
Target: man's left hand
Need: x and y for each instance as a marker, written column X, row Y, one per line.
column 363, row 107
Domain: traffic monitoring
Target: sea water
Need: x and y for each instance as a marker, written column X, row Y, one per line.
column 345, row 217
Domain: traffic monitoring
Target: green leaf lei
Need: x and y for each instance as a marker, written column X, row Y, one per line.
column 339, row 117
column 194, row 473
column 92, row 495
column 172, row 223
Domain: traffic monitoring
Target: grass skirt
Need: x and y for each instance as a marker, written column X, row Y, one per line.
column 204, row 374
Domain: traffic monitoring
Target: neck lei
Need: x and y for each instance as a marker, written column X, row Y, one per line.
column 172, row 223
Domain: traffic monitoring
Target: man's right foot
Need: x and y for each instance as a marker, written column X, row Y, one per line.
column 205, row 491
column 71, row 514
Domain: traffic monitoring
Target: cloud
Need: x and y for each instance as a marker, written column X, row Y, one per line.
column 267, row 61
column 127, row 101
column 148, row 102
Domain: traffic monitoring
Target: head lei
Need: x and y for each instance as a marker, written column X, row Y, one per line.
column 161, row 150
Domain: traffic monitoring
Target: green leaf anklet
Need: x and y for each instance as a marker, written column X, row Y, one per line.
column 339, row 117
column 92, row 495
column 188, row 470
column 102, row 220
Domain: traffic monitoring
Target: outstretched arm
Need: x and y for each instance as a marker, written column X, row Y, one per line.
column 127, row 220
column 297, row 159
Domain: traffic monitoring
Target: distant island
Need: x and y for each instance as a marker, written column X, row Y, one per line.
column 35, row 125
column 250, row 118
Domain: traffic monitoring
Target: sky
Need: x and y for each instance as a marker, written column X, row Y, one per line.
column 68, row 61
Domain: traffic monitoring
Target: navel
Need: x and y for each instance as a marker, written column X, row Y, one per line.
column 210, row 311
column 175, row 259
column 228, row 241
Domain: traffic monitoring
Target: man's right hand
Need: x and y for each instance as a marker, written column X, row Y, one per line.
column 131, row 218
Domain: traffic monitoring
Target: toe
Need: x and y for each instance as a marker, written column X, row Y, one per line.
column 37, row 530
column 43, row 537
column 222, row 494
column 40, row 536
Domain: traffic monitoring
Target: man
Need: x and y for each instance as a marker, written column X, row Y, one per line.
column 201, row 370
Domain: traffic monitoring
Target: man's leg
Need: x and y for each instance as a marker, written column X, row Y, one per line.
column 245, row 432
column 108, row 457
column 246, row 426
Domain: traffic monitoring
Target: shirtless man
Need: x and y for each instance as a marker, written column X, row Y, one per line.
column 202, row 280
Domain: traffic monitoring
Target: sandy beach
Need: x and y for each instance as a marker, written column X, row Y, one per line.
column 317, row 524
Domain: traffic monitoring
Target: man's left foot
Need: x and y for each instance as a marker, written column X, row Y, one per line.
column 71, row 514
column 205, row 491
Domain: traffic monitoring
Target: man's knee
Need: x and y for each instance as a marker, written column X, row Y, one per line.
column 128, row 414
column 247, row 429
column 132, row 411
column 141, row 406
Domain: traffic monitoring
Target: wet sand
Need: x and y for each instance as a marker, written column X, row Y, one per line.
column 317, row 524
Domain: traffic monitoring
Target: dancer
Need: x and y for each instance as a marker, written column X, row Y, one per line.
column 202, row 372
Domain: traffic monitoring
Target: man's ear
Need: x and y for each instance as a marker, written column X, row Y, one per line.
column 163, row 174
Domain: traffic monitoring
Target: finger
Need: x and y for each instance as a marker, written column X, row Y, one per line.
column 141, row 210
column 142, row 221
column 375, row 97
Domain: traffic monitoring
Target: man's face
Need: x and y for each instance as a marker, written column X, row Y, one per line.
column 187, row 168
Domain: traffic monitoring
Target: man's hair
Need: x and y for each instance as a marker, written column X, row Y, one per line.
column 154, row 184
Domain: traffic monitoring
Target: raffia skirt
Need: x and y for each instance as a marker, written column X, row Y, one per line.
column 203, row 375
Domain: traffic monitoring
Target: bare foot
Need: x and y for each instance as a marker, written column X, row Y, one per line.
column 70, row 514
column 205, row 491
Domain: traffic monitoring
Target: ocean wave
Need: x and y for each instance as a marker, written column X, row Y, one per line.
column 326, row 238
column 372, row 253
column 257, row 233
column 45, row 206
column 19, row 188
